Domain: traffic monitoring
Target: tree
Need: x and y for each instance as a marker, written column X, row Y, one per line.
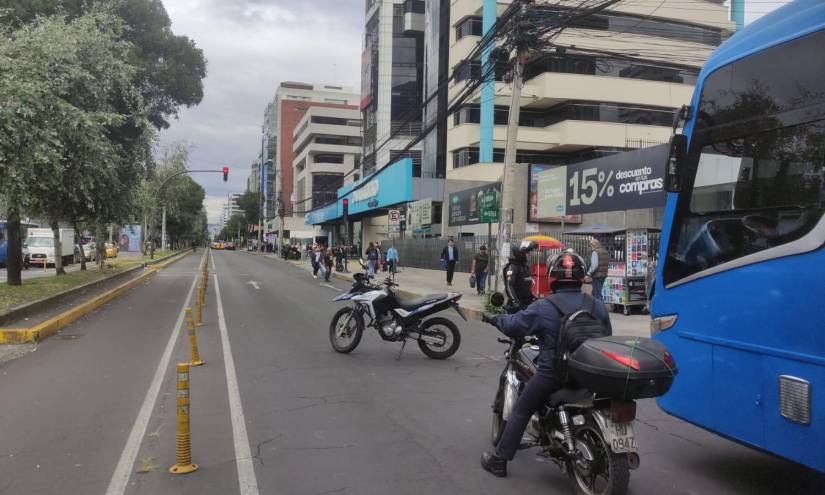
column 172, row 67
column 66, row 86
column 250, row 203
column 236, row 223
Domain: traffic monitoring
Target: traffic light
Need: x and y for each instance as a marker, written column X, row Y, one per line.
column 345, row 203
column 225, row 173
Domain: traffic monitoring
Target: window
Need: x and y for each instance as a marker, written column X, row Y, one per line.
column 471, row 26
column 336, row 101
column 575, row 110
column 414, row 7
column 470, row 156
column 328, row 158
column 757, row 160
column 605, row 66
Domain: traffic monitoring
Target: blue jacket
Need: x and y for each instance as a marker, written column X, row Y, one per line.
column 543, row 320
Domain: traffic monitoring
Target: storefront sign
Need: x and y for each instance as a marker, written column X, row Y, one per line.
column 322, row 215
column 466, row 206
column 389, row 186
column 624, row 181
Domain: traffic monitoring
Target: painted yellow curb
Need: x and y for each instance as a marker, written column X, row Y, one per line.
column 56, row 323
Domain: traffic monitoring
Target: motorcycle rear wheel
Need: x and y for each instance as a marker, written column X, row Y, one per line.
column 351, row 336
column 499, row 423
column 613, row 469
column 447, row 330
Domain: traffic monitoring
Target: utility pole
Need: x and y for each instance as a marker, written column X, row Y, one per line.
column 509, row 194
column 163, row 230
column 261, row 172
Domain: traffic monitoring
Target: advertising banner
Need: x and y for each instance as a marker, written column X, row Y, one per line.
column 467, row 206
column 624, row 181
column 130, row 239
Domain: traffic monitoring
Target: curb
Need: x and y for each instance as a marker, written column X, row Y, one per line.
column 56, row 323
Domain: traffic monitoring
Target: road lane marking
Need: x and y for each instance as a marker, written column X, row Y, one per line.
column 123, row 471
column 254, row 283
column 332, row 287
column 212, row 259
column 243, row 454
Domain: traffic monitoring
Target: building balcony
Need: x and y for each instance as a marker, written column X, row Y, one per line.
column 413, row 16
column 565, row 136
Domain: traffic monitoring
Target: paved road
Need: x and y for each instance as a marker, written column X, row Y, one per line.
column 275, row 411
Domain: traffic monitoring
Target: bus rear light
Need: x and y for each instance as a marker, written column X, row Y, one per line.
column 662, row 323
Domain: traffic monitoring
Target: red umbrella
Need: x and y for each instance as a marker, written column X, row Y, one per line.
column 546, row 242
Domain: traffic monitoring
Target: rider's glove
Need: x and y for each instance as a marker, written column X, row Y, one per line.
column 489, row 318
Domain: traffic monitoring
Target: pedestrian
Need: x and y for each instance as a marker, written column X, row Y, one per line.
column 542, row 318
column 372, row 259
column 316, row 261
column 449, row 257
column 328, row 256
column 380, row 261
column 480, row 269
column 392, row 258
column 597, row 271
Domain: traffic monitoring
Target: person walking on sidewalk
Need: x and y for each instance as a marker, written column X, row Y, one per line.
column 480, row 269
column 449, row 257
column 316, row 260
column 372, row 259
column 328, row 264
column 392, row 258
column 597, row 271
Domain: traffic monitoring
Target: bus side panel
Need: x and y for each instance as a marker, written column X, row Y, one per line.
column 737, row 402
column 691, row 392
column 795, row 441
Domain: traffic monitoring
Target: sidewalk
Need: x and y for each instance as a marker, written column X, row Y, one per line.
column 417, row 282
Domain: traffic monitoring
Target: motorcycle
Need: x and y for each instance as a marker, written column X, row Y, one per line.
column 395, row 317
column 590, row 438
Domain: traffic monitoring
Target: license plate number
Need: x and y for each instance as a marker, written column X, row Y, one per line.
column 621, row 437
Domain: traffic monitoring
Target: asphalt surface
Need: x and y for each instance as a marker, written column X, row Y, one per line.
column 314, row 421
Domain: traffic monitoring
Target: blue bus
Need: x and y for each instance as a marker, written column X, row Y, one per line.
column 740, row 286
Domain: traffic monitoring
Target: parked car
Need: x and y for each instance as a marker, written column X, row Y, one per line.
column 229, row 246
column 111, row 250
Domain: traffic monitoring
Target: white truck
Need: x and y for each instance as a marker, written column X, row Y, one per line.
column 40, row 243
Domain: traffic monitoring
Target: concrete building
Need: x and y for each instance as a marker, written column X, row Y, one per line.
column 327, row 153
column 614, row 85
column 253, row 182
column 230, row 208
column 291, row 101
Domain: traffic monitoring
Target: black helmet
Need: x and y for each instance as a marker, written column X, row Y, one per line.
column 520, row 249
column 566, row 268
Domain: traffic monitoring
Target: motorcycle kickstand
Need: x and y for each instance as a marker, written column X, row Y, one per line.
column 403, row 345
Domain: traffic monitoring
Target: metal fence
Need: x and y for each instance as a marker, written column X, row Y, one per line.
column 426, row 253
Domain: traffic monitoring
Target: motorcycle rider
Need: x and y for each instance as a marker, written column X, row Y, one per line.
column 518, row 281
column 543, row 320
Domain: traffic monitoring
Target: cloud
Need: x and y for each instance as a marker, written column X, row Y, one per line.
column 251, row 46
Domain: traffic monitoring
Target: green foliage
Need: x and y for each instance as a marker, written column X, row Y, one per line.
column 488, row 306
column 171, row 67
column 250, row 203
column 180, row 194
column 236, row 223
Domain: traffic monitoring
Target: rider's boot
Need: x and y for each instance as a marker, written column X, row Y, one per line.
column 495, row 464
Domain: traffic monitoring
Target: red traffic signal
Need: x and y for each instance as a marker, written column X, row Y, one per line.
column 345, row 207
column 225, row 173
column 346, row 202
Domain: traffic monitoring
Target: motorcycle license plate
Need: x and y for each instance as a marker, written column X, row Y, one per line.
column 620, row 437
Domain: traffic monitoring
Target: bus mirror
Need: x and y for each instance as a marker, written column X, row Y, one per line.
column 676, row 163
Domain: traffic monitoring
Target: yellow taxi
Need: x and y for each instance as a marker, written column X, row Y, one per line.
column 111, row 250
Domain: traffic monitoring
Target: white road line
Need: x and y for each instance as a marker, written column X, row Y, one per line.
column 212, row 258
column 332, row 287
column 120, row 478
column 243, row 455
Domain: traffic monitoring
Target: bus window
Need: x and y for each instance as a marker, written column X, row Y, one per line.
column 757, row 160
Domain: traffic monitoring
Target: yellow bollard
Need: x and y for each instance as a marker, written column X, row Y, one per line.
column 183, row 438
column 199, row 309
column 193, row 340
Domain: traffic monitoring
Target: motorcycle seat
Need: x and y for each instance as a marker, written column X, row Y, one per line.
column 411, row 304
column 568, row 396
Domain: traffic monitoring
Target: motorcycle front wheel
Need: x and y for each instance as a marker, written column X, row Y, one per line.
column 346, row 330
column 498, row 423
column 446, row 332
column 606, row 473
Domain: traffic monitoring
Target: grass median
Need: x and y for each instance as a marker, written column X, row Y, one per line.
column 34, row 289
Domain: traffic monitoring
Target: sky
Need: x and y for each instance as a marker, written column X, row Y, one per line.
column 253, row 45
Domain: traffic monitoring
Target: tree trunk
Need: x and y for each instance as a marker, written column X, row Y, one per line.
column 100, row 246
column 80, row 246
column 58, row 250
column 14, row 255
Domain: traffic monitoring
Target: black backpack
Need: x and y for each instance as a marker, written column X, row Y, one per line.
column 577, row 325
